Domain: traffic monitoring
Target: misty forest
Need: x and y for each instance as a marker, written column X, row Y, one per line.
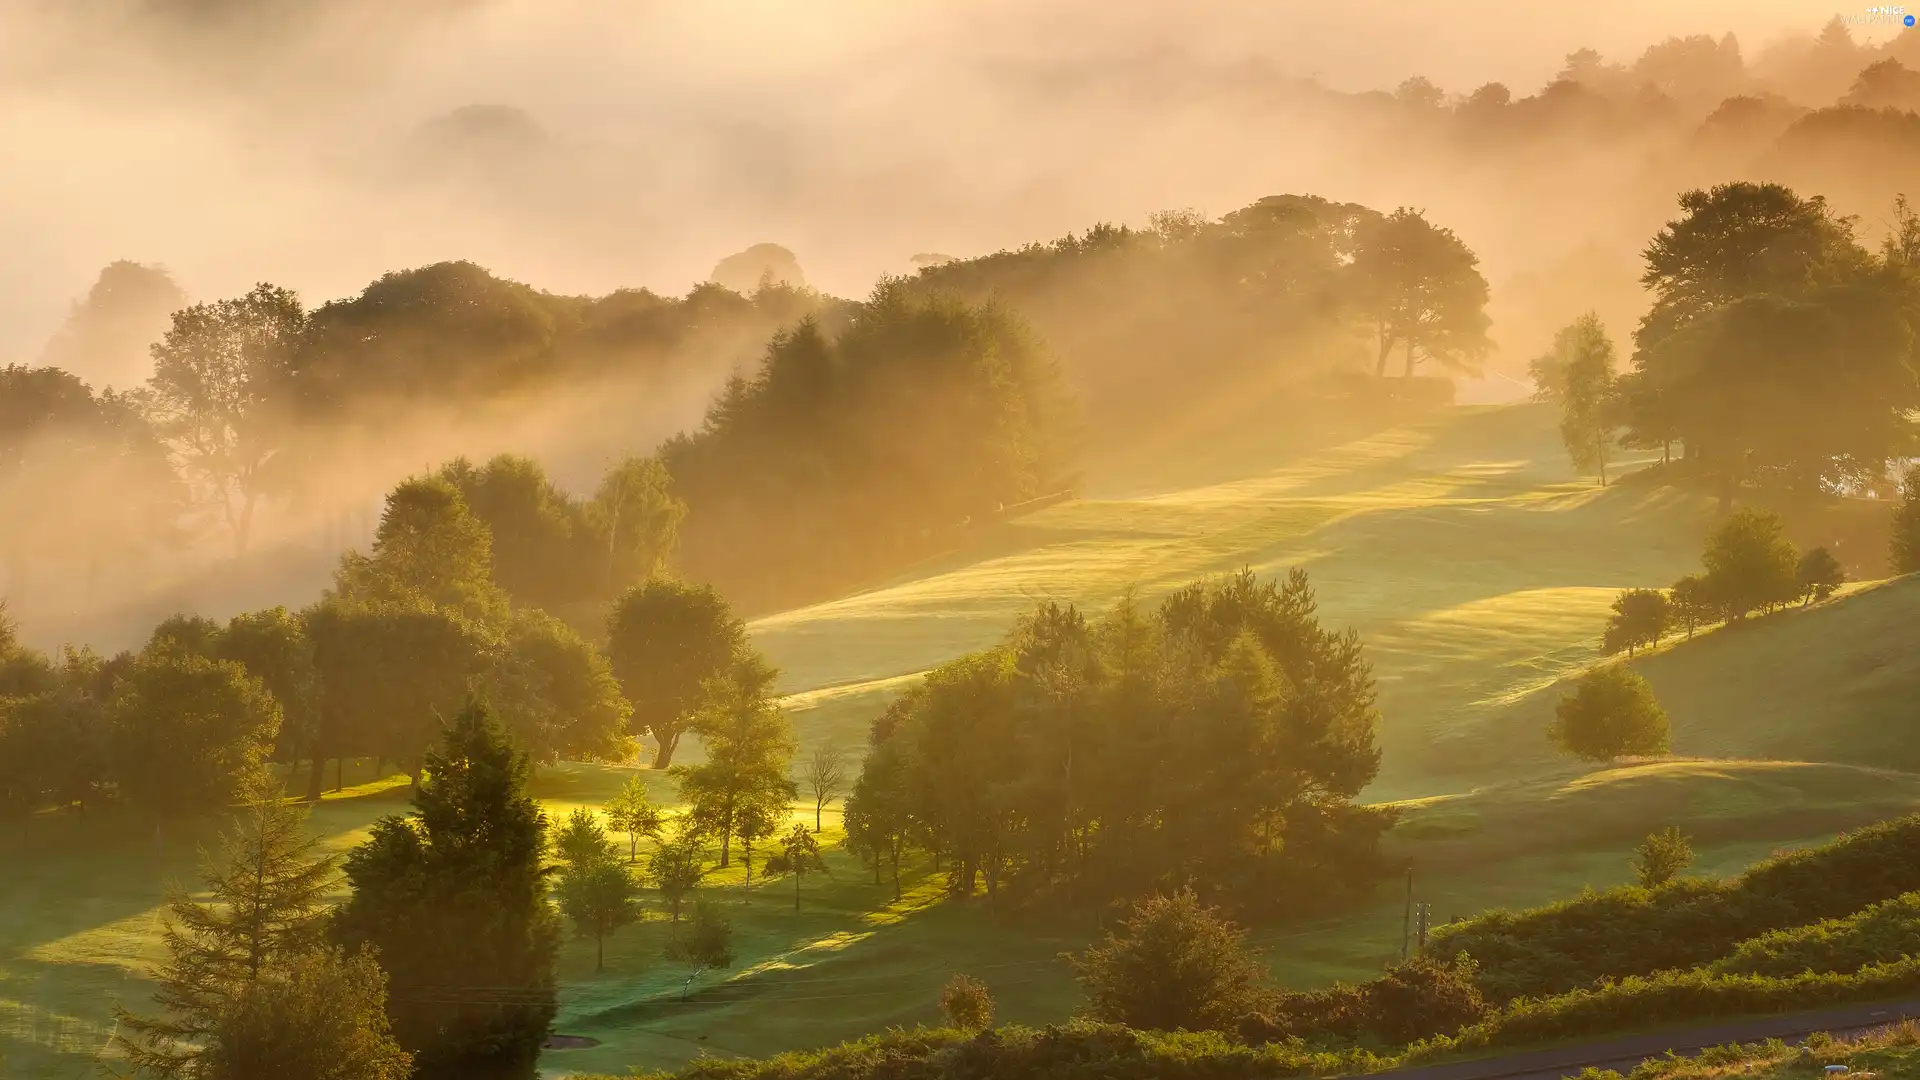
column 1010, row 541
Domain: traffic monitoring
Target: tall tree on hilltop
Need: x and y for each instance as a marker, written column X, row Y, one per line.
column 744, row 784
column 219, row 385
column 666, row 640
column 455, row 895
column 268, row 883
column 1423, row 290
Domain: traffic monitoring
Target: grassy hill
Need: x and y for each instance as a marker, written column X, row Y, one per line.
column 1478, row 571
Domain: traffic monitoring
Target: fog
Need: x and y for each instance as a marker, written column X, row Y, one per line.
column 586, row 145
column 234, row 142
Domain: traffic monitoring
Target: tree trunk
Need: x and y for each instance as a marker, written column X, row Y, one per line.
column 726, row 845
column 818, row 804
column 317, row 775
column 339, row 775
column 663, row 758
column 796, row 888
column 1409, row 373
column 1386, row 347
column 896, row 868
column 413, row 773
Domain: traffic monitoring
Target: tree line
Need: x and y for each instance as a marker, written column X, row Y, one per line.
column 1779, row 351
column 1217, row 740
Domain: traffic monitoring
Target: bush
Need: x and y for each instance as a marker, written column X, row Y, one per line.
column 1662, row 856
column 707, row 941
column 966, row 1003
column 1611, row 712
column 1819, row 574
column 1423, row 998
column 1177, row 964
column 1906, row 525
column 1879, row 934
column 1630, row 930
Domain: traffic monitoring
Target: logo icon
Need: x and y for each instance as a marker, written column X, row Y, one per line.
column 1909, row 20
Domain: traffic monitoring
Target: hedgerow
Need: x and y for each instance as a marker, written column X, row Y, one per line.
column 1636, row 931
column 1878, row 934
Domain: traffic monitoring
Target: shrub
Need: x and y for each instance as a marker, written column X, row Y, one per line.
column 1611, row 712
column 1878, row 934
column 966, row 1003
column 1634, row 931
column 1177, row 964
column 707, row 941
column 1423, row 998
column 1663, row 855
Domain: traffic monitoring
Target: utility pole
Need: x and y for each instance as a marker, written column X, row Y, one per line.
column 1406, row 919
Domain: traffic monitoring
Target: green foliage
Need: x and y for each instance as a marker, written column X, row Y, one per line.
column 187, row 732
column 707, row 942
column 455, row 895
column 633, row 813
column 1877, row 934
column 594, row 887
column 799, row 853
column 220, row 377
column 742, row 790
column 878, row 813
column 557, row 693
column 1216, row 714
column 677, row 866
column 841, row 452
column 1415, row 1000
column 320, row 1016
column 1635, row 931
column 430, row 551
column 666, row 641
column 1587, row 394
column 1750, row 564
column 268, row 884
column 274, row 647
column 967, row 1003
column 1174, row 964
column 1662, row 856
column 1610, row 713
column 1640, row 618
column 1904, row 550
column 1692, row 603
column 1818, row 575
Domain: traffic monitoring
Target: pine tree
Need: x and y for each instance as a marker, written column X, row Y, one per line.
column 455, row 895
column 268, row 884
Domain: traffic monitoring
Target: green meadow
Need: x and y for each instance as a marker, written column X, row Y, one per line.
column 1478, row 571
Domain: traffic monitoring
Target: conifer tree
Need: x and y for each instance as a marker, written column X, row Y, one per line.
column 268, row 883
column 455, row 895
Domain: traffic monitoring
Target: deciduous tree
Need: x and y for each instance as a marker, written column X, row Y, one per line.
column 1818, row 575
column 187, row 732
column 666, row 640
column 1750, row 564
column 826, row 771
column 743, row 787
column 1662, row 856
column 632, row 812
column 1610, row 713
column 1905, row 547
column 1423, row 290
column 1174, row 963
column 799, row 853
column 594, row 888
column 1640, row 617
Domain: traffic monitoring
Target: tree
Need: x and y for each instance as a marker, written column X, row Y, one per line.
column 187, row 732
column 429, row 551
column 799, row 853
column 1691, row 602
column 1610, row 713
column 1588, row 395
column 1662, row 856
column 273, row 646
column 1175, row 964
column 826, row 771
column 677, row 867
column 219, row 385
column 967, row 1003
column 557, row 693
column 631, row 812
column 1422, row 289
column 1750, row 564
column 322, row 1015
column 666, row 640
column 1818, row 575
column 708, row 942
column 639, row 517
column 455, row 895
column 268, row 885
column 1905, row 548
column 107, row 336
column 1640, row 617
column 879, row 811
column 742, row 789
column 595, row 890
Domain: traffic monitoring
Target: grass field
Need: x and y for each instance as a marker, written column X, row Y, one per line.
column 1477, row 570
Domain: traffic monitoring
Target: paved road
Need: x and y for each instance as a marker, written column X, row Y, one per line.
column 1623, row 1054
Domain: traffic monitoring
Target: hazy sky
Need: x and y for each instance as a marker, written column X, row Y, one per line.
column 252, row 139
